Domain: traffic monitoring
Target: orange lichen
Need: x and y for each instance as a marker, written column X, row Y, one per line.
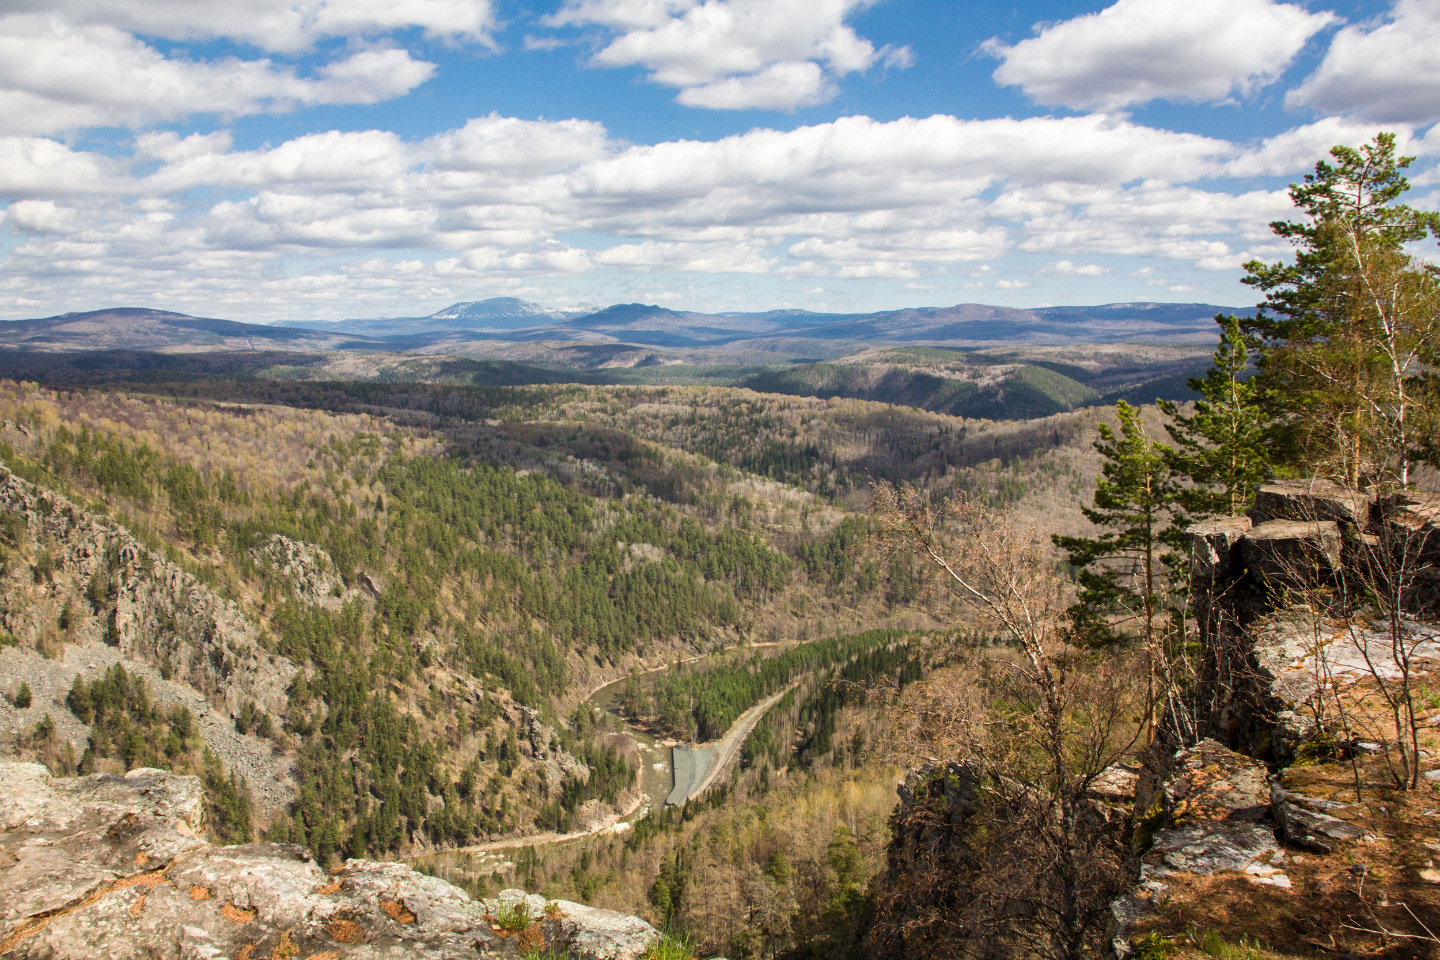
column 235, row 914
column 198, row 892
column 332, row 887
column 28, row 928
column 397, row 911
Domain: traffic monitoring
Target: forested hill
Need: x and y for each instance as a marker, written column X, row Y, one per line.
column 447, row 611
column 507, row 319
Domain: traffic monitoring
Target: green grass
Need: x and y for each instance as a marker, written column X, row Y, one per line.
column 1212, row 944
column 670, row 947
column 513, row 917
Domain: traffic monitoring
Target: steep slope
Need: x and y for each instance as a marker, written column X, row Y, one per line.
column 74, row 583
column 1011, row 392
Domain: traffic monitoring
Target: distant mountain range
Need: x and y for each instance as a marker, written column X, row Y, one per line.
column 512, row 319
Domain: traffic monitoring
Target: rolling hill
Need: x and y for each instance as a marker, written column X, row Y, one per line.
column 507, row 318
column 160, row 331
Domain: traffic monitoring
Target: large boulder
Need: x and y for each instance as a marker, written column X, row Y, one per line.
column 1311, row 500
column 1291, row 557
column 115, row 867
column 1214, row 548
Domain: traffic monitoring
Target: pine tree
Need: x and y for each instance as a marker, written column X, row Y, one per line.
column 1348, row 329
column 1222, row 448
column 1124, row 572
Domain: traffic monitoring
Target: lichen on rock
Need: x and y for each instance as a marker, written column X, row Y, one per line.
column 114, row 866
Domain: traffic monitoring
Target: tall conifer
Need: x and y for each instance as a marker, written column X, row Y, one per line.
column 1222, row 448
column 1125, row 571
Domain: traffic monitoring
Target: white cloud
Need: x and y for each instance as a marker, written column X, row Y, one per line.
column 36, row 167
column 192, row 220
column 1011, row 284
column 56, row 77
column 697, row 257
column 1068, row 268
column 1297, row 149
column 735, row 54
column 285, row 26
column 1384, row 72
column 1141, row 50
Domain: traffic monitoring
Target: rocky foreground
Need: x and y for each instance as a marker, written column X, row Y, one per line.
column 117, row 867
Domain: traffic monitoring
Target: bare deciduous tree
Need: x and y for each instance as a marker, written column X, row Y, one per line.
column 1033, row 724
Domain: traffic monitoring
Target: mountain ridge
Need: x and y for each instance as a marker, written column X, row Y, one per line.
column 513, row 319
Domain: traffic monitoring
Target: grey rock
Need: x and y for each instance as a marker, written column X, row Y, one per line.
column 1311, row 500
column 1211, row 784
column 1216, row 804
column 1116, row 783
column 115, row 867
column 1292, row 553
column 307, row 570
column 1203, row 849
column 1213, row 547
column 1307, row 827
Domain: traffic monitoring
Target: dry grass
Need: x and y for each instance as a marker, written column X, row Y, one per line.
column 397, row 911
column 345, row 931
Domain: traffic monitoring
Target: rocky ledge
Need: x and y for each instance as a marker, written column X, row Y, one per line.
column 117, row 867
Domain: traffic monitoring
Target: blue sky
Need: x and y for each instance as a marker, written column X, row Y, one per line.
column 319, row 159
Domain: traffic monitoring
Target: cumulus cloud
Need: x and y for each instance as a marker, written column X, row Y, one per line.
column 1141, row 50
column 735, row 54
column 501, row 200
column 1384, row 72
column 56, row 77
column 1069, row 268
column 282, row 26
column 1298, row 148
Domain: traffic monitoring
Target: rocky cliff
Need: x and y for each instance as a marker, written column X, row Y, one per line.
column 1291, row 816
column 1292, row 824
column 81, row 594
column 110, row 866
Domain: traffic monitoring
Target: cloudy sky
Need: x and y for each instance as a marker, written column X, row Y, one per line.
column 291, row 159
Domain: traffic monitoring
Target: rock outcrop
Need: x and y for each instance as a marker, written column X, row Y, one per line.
column 154, row 611
column 1282, row 638
column 145, row 613
column 1263, row 590
column 116, row 867
column 1212, row 815
column 307, row 570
